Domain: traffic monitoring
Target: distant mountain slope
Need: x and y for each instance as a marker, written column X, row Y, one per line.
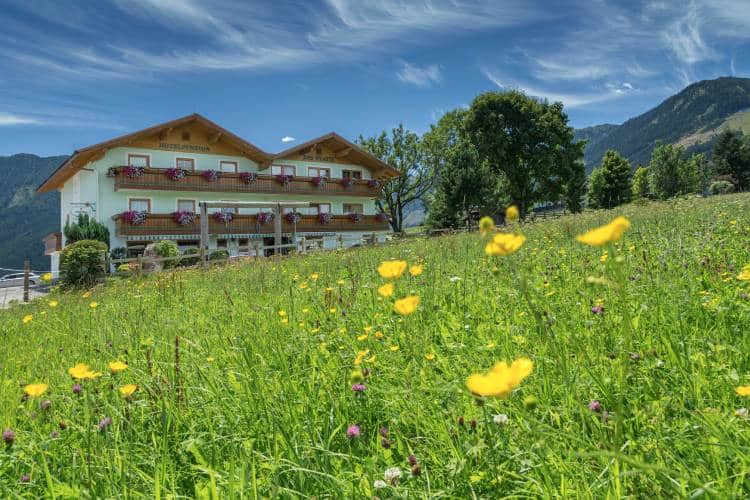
column 27, row 217
column 691, row 118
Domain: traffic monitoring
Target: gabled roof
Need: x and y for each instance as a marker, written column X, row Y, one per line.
column 82, row 156
column 343, row 149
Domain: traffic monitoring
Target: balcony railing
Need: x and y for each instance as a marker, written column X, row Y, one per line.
column 156, row 179
column 164, row 224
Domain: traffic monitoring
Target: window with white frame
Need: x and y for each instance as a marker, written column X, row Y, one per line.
column 139, row 205
column 185, row 163
column 351, row 208
column 351, row 174
column 319, row 172
column 186, row 205
column 228, row 166
column 320, row 208
column 139, row 160
column 283, row 170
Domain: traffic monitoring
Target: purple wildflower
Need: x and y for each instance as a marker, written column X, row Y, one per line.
column 25, row 478
column 384, row 431
column 353, row 431
column 54, row 434
column 9, row 436
column 359, row 388
column 77, row 388
column 595, row 405
column 597, row 310
column 104, row 423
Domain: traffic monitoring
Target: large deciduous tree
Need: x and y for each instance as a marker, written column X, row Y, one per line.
column 528, row 142
column 400, row 149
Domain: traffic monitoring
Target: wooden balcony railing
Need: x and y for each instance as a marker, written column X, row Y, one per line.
column 156, row 179
column 164, row 224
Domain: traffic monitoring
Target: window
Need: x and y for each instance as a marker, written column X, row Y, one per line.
column 228, row 166
column 222, row 243
column 186, row 205
column 350, row 208
column 351, row 174
column 320, row 208
column 283, row 170
column 139, row 160
column 139, row 204
column 319, row 172
column 227, row 210
column 185, row 163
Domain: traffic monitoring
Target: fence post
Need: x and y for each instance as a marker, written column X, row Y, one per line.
column 340, row 242
column 257, row 250
column 26, row 271
column 304, row 245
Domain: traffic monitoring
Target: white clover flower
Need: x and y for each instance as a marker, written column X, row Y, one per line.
column 392, row 475
column 379, row 484
column 501, row 419
column 741, row 412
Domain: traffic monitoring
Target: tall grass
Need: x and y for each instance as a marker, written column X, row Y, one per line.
column 245, row 372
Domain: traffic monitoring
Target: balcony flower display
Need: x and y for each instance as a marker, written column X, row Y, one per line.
column 210, row 175
column 183, row 217
column 373, row 183
column 112, row 172
column 382, row 217
column 175, row 174
column 264, row 218
column 355, row 217
column 248, row 177
column 224, row 217
column 347, row 182
column 131, row 171
column 293, row 217
column 319, row 181
column 134, row 217
column 325, row 218
column 284, row 179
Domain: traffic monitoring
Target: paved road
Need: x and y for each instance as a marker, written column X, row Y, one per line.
column 15, row 294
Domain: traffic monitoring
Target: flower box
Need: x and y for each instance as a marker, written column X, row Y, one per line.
column 210, row 175
column 355, row 217
column 284, row 179
column 318, row 181
column 224, row 217
column 248, row 177
column 264, row 218
column 347, row 182
column 134, row 217
column 183, row 217
column 131, row 171
column 373, row 183
column 293, row 217
column 325, row 218
column 175, row 174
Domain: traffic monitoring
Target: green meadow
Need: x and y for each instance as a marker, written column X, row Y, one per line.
column 246, row 373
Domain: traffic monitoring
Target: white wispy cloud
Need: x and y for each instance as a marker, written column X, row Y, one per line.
column 288, row 138
column 685, row 39
column 420, row 76
column 8, row 119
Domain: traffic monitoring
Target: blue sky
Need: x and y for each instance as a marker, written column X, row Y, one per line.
column 73, row 73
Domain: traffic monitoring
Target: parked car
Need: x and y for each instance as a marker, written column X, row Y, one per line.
column 16, row 279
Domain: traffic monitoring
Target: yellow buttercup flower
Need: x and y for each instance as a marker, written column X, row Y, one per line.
column 47, row 277
column 27, row 318
column 362, row 337
column 82, row 371
column 745, row 274
column 501, row 379
column 429, row 356
column 743, row 390
column 86, row 295
column 128, row 390
column 504, row 244
column 282, row 313
column 407, row 305
column 35, row 390
column 392, row 269
column 386, row 290
column 511, row 213
column 117, row 366
column 93, row 305
column 486, row 225
column 52, row 303
column 393, row 348
column 605, row 234
column 314, row 276
column 416, row 270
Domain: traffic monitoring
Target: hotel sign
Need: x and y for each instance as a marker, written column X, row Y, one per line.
column 184, row 147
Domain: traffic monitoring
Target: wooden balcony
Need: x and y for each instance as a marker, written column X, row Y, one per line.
column 163, row 224
column 156, row 179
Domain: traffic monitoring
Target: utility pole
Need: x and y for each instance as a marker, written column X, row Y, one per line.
column 26, row 271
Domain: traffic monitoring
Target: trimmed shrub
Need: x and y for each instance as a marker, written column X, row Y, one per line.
column 83, row 263
column 190, row 261
column 167, row 248
column 218, row 255
column 86, row 228
column 721, row 187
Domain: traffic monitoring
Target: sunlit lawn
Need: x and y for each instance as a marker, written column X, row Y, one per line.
column 245, row 373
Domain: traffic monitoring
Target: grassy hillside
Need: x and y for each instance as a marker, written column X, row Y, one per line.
column 246, row 373
column 692, row 118
column 27, row 217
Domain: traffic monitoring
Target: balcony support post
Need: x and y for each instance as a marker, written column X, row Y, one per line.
column 204, row 235
column 276, row 228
